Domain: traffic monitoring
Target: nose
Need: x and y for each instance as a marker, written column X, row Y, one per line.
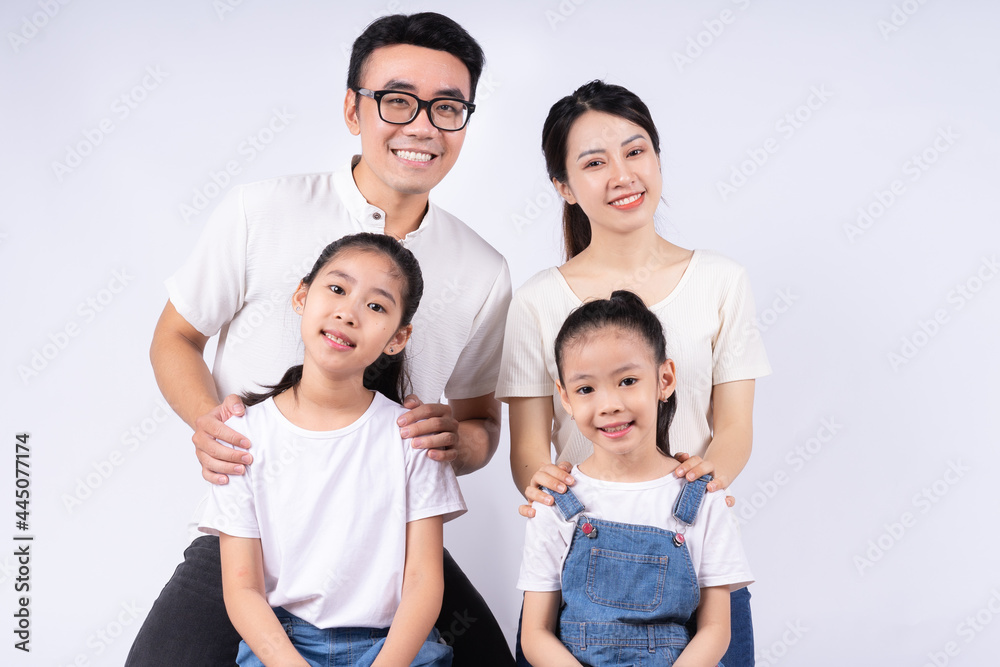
column 346, row 312
column 611, row 403
column 421, row 126
column 621, row 173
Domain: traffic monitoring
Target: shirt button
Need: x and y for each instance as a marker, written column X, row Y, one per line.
column 377, row 216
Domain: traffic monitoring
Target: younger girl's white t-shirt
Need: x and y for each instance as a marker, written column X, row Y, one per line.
column 713, row 540
column 330, row 509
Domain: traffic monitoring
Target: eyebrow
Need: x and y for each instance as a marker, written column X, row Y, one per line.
column 350, row 280
column 617, row 371
column 601, row 150
column 405, row 86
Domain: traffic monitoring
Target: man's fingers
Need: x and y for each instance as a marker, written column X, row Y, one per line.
column 526, row 511
column 209, row 449
column 424, row 411
column 429, row 426
column 233, row 405
column 439, row 441
column 446, row 455
column 225, row 434
column 213, row 477
column 213, row 470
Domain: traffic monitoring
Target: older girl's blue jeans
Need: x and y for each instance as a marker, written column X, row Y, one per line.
column 344, row 647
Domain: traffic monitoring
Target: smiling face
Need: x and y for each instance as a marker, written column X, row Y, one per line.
column 351, row 312
column 405, row 159
column 613, row 387
column 612, row 172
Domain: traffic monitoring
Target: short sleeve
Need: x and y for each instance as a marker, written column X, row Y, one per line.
column 478, row 364
column 208, row 290
column 523, row 371
column 230, row 507
column 723, row 560
column 547, row 537
column 738, row 351
column 431, row 487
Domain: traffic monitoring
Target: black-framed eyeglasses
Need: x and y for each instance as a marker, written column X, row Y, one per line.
column 445, row 113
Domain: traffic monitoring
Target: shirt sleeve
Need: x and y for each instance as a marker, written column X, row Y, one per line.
column 209, row 288
column 523, row 371
column 431, row 487
column 478, row 365
column 546, row 542
column 738, row 351
column 723, row 560
column 230, row 507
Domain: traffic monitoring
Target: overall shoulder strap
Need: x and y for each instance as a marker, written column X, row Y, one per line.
column 567, row 503
column 689, row 501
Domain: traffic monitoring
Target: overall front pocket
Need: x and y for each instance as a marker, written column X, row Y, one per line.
column 626, row 580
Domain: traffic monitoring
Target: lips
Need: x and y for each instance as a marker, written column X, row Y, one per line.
column 628, row 201
column 339, row 340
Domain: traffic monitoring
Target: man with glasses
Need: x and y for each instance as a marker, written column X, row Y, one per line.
column 410, row 86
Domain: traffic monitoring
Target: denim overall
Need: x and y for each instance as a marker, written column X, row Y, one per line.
column 628, row 590
column 344, row 647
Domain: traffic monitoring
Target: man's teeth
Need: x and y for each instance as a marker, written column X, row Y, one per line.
column 413, row 156
column 626, row 201
column 616, row 429
column 338, row 340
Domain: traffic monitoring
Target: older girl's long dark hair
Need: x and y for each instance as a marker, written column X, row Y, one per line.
column 624, row 311
column 387, row 374
column 594, row 96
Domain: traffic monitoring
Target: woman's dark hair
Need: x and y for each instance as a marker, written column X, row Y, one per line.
column 427, row 29
column 624, row 311
column 594, row 96
column 386, row 374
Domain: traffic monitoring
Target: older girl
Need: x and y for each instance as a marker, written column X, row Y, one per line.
column 332, row 541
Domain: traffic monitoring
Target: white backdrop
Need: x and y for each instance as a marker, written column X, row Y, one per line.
column 845, row 152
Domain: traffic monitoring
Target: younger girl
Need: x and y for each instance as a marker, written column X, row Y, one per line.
column 634, row 552
column 332, row 541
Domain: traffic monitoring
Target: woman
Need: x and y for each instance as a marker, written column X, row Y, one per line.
column 602, row 153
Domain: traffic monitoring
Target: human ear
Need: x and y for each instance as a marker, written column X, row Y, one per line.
column 667, row 379
column 564, row 397
column 564, row 191
column 351, row 112
column 299, row 298
column 398, row 340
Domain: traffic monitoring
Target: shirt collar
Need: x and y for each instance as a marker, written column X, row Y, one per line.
column 371, row 218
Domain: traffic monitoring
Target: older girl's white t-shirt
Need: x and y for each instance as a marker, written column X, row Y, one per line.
column 330, row 509
column 712, row 335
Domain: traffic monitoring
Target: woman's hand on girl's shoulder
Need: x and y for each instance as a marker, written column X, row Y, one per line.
column 694, row 467
column 551, row 476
